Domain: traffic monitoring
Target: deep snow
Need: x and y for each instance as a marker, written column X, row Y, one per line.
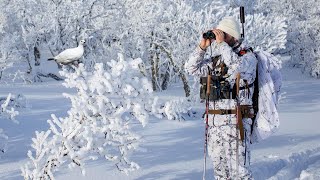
column 173, row 149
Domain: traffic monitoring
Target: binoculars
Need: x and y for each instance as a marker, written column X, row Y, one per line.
column 209, row 35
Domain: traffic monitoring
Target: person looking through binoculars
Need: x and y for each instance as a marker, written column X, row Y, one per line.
column 229, row 61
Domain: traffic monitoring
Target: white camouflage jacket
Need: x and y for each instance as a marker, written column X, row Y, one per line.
column 197, row 65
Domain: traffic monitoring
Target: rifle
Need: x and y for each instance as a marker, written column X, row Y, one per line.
column 239, row 114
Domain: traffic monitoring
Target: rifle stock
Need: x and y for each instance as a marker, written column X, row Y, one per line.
column 239, row 114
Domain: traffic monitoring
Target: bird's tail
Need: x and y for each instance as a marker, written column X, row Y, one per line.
column 50, row 59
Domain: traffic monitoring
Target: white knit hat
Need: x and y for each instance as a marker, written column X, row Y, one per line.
column 231, row 26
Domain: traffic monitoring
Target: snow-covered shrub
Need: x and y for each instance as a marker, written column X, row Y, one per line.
column 175, row 109
column 8, row 111
column 98, row 123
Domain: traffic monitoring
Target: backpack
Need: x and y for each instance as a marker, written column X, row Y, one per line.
column 266, row 96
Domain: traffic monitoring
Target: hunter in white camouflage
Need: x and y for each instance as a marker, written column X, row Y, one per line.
column 230, row 155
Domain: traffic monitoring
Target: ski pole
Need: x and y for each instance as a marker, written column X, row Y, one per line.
column 207, row 125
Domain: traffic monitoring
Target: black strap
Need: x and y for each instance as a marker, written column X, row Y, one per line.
column 244, row 87
column 222, row 111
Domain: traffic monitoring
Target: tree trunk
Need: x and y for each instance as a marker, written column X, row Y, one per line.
column 186, row 86
column 29, row 63
column 179, row 70
column 36, row 54
column 165, row 81
column 153, row 70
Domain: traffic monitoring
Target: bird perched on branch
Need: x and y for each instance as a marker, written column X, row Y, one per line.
column 69, row 56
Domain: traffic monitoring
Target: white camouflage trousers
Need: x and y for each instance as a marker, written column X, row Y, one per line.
column 230, row 156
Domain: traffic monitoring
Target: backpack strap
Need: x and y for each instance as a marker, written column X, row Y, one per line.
column 247, row 87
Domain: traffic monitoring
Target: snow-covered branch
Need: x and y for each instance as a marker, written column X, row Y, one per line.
column 99, row 122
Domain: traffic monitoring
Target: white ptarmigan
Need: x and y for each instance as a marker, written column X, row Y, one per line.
column 69, row 55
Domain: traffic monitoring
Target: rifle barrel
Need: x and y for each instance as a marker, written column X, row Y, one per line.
column 242, row 18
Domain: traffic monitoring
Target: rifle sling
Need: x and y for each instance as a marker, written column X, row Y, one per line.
column 222, row 111
column 245, row 111
column 246, row 87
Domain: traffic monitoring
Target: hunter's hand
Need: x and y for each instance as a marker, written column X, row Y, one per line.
column 204, row 43
column 219, row 35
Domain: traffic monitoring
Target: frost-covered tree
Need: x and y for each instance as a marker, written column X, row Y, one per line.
column 99, row 122
column 265, row 33
column 303, row 34
column 308, row 41
column 157, row 31
column 9, row 51
column 165, row 32
column 39, row 29
column 17, row 47
column 162, row 33
column 154, row 28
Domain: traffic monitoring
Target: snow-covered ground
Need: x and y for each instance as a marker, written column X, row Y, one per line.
column 172, row 149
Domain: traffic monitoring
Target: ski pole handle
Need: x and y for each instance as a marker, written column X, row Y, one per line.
column 208, row 85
